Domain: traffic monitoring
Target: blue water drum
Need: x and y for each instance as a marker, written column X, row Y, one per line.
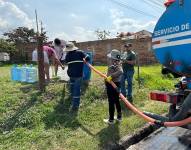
column 18, row 73
column 24, row 73
column 86, row 69
column 14, row 75
column 172, row 38
column 31, row 74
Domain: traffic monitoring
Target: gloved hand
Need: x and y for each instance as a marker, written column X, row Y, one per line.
column 108, row 79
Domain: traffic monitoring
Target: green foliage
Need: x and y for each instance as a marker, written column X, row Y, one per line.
column 23, row 35
column 102, row 35
column 151, row 78
column 6, row 46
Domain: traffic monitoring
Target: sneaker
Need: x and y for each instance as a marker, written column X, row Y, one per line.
column 119, row 119
column 108, row 121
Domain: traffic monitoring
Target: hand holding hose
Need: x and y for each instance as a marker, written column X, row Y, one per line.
column 109, row 79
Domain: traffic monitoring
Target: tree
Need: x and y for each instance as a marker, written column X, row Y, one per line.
column 102, row 35
column 23, row 35
column 6, row 46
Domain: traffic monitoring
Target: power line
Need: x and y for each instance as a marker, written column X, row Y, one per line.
column 122, row 4
column 152, row 5
column 156, row 2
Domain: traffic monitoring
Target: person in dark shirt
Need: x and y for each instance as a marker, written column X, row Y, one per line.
column 74, row 60
column 114, row 73
column 128, row 62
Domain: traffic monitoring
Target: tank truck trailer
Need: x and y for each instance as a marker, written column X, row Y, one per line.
column 171, row 43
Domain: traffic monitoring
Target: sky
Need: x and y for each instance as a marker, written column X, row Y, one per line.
column 79, row 19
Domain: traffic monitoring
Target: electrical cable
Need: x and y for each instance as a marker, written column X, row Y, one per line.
column 122, row 4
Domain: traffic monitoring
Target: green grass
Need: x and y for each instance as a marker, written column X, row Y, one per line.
column 31, row 120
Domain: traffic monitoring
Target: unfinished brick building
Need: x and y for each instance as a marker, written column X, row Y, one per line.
column 100, row 48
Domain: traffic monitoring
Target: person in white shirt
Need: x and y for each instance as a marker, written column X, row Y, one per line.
column 59, row 45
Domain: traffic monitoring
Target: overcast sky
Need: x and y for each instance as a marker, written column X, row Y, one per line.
column 78, row 19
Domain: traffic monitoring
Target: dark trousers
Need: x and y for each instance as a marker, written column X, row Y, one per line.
column 113, row 99
column 75, row 87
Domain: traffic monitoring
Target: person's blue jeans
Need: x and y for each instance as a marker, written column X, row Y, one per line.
column 127, row 75
column 75, row 87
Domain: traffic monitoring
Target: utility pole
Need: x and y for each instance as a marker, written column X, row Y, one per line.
column 41, row 73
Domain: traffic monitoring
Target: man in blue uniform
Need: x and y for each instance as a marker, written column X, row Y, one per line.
column 74, row 59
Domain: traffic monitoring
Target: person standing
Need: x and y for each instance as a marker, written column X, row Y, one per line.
column 114, row 74
column 59, row 45
column 74, row 60
column 128, row 62
column 48, row 54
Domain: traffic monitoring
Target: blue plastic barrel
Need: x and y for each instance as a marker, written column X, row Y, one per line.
column 18, row 73
column 31, row 74
column 86, row 69
column 23, row 73
column 14, row 73
column 189, row 83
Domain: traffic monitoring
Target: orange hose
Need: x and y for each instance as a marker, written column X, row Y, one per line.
column 129, row 105
column 138, row 112
column 178, row 123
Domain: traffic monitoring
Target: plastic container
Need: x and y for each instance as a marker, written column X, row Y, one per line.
column 31, row 74
column 18, row 73
column 86, row 69
column 24, row 73
column 14, row 75
column 189, row 83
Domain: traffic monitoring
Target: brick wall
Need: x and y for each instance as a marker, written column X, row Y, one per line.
column 100, row 49
column 24, row 53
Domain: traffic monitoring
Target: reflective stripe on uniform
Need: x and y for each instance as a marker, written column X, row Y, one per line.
column 76, row 97
column 77, row 61
column 86, row 56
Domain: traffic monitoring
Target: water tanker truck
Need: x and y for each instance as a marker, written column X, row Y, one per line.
column 171, row 42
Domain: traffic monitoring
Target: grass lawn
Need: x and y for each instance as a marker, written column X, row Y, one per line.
column 30, row 120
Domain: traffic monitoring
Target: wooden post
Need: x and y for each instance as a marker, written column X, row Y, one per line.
column 41, row 73
column 138, row 71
